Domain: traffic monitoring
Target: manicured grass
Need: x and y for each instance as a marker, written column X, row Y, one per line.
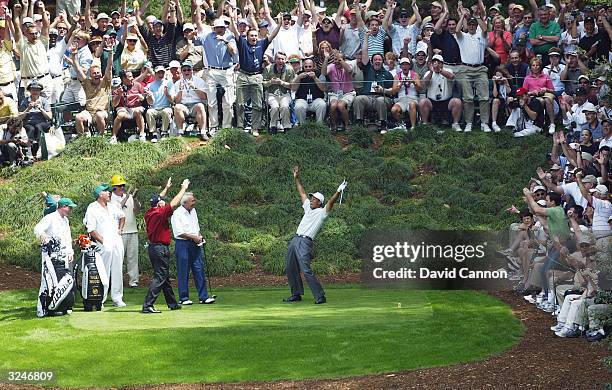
column 250, row 335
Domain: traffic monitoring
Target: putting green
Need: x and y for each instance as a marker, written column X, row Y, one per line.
column 251, row 335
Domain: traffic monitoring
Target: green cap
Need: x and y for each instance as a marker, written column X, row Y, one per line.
column 100, row 188
column 66, row 202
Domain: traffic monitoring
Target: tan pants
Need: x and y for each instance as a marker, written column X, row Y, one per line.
column 471, row 79
column 249, row 87
column 130, row 246
column 164, row 113
column 363, row 103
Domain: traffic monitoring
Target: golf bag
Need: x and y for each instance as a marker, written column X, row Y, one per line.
column 57, row 296
column 94, row 279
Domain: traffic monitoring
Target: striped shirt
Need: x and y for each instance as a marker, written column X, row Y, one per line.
column 161, row 50
column 375, row 42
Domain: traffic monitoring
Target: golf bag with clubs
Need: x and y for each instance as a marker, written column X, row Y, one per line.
column 94, row 279
column 57, row 295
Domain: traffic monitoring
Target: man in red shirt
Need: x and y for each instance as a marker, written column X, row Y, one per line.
column 127, row 101
column 158, row 234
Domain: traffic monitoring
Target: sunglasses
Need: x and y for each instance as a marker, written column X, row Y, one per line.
column 131, row 40
column 287, row 19
column 186, row 70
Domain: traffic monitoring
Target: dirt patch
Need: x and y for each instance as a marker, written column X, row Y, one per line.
column 539, row 361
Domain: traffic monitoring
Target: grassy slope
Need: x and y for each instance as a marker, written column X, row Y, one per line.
column 358, row 332
column 248, row 203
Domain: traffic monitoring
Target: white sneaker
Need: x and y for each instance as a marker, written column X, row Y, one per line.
column 551, row 129
column 119, row 304
column 495, row 127
column 187, row 302
column 558, row 327
column 208, row 301
column 400, row 127
column 468, row 128
column 142, row 138
column 87, row 134
column 525, row 132
column 456, row 127
column 485, row 128
column 529, row 299
column 113, row 140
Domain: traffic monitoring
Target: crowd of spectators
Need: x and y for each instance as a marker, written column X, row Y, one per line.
column 217, row 66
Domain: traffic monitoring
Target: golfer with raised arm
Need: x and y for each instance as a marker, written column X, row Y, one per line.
column 299, row 253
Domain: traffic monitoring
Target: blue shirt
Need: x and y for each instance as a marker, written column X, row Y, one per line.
column 85, row 60
column 216, row 51
column 251, row 57
column 159, row 97
column 517, row 35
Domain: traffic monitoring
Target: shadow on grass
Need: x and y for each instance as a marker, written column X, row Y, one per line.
column 19, row 313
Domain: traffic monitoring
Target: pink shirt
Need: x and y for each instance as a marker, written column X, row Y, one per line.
column 340, row 79
column 498, row 45
column 533, row 83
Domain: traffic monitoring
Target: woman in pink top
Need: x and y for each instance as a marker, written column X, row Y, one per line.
column 539, row 85
column 500, row 40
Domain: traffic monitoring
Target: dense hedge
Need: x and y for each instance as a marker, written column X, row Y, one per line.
column 247, row 202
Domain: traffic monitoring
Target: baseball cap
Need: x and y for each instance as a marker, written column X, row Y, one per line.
column 157, row 21
column 437, row 57
column 147, row 64
column 174, row 64
column 66, row 202
column 472, row 20
column 583, row 77
column 404, row 60
column 219, row 23
column 243, row 21
column 37, row 17
column 53, row 31
column 554, row 51
column 587, row 156
column 317, row 195
column 95, row 38
column 588, row 106
column 538, row 188
column 541, row 203
column 589, row 178
column 188, row 26
column 263, row 24
column 99, row 189
column 159, row 68
column 428, row 25
column 155, row 199
column 35, row 85
column 293, row 60
column 589, row 19
column 521, row 91
column 187, row 64
column 115, row 12
column 403, row 12
column 27, row 20
column 102, row 15
column 602, row 189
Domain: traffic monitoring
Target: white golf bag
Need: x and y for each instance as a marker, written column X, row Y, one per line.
column 57, row 294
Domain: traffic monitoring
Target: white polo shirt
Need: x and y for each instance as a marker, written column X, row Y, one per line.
column 184, row 221
column 34, row 61
column 602, row 209
column 440, row 88
column 573, row 190
column 312, row 220
column 189, row 95
column 54, row 225
column 472, row 47
column 130, row 218
column 105, row 221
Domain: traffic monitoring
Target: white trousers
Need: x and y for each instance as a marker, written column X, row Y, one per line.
column 130, row 245
column 226, row 79
column 112, row 257
column 572, row 311
column 318, row 106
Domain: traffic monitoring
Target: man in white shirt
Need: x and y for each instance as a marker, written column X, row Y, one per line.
column 55, row 226
column 190, row 95
column 189, row 251
column 299, row 253
column 438, row 85
column 472, row 74
column 130, row 206
column 104, row 222
column 402, row 31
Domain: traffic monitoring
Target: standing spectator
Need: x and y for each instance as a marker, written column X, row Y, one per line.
column 190, row 95
column 299, row 253
column 160, row 101
column 249, row 83
column 376, row 33
column 520, row 37
column 97, row 91
column 472, row 75
column 595, row 45
column 403, row 30
column 104, row 222
column 277, row 78
column 8, row 71
column 328, row 28
column 133, row 57
column 443, row 40
column 288, row 35
column 568, row 42
column 544, row 34
column 129, row 204
column 310, row 92
column 158, row 235
column 189, row 251
column 79, row 52
column 342, row 92
column 376, row 91
column 406, row 86
column 350, row 43
column 187, row 50
column 500, row 40
column 438, row 84
column 36, row 114
column 160, row 40
column 127, row 101
column 539, row 85
column 219, row 48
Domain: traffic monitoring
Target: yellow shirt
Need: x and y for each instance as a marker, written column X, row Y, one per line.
column 133, row 60
column 8, row 109
column 33, row 56
column 7, row 66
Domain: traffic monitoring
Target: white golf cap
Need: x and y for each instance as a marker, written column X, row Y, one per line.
column 174, row 64
column 219, row 23
column 188, row 26
column 588, row 106
column 602, row 189
column 437, row 57
column 317, row 195
column 160, row 68
column 37, row 17
column 538, row 188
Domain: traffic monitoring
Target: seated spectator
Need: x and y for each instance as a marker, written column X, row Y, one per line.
column 190, row 95
column 35, row 114
column 97, row 90
column 592, row 125
column 127, row 101
column 575, row 117
column 540, row 86
column 527, row 116
column 309, row 90
column 133, row 56
column 341, row 90
column 500, row 94
column 438, row 84
column 376, row 91
column 13, row 141
column 554, row 69
column 406, row 86
column 160, row 99
column 277, row 78
column 517, row 69
column 8, row 109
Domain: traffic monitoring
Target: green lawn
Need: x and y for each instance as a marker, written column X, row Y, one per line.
column 250, row 335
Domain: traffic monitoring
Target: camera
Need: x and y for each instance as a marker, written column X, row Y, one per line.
column 513, row 104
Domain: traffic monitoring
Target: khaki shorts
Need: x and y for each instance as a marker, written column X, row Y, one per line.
column 346, row 97
column 88, row 116
column 188, row 109
column 130, row 111
column 404, row 102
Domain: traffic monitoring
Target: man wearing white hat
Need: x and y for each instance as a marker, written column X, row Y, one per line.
column 299, row 254
column 602, row 211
